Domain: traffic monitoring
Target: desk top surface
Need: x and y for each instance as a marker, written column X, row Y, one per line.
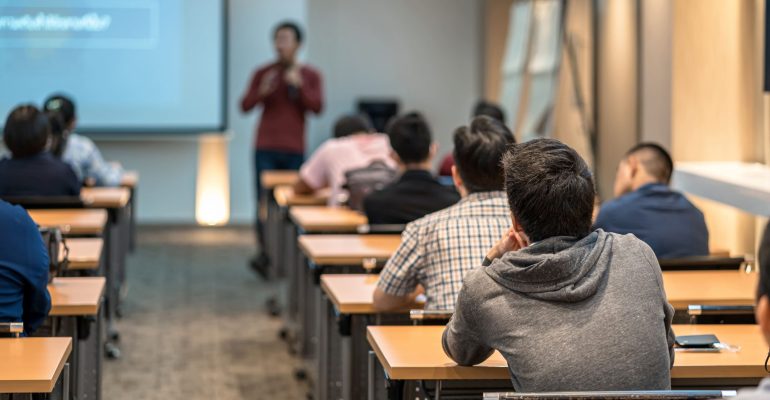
column 353, row 293
column 415, row 352
column 348, row 249
column 76, row 296
column 271, row 179
column 684, row 288
column 80, row 221
column 326, row 219
column 105, row 197
column 285, row 197
column 85, row 253
column 32, row 365
column 129, row 179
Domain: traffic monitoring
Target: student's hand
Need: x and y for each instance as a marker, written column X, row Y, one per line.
column 511, row 241
column 293, row 76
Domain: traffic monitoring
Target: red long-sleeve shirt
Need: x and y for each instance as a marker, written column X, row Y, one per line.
column 282, row 125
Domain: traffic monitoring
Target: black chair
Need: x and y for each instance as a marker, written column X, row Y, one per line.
column 701, row 263
column 36, row 202
column 620, row 395
column 708, row 314
column 430, row 317
column 11, row 329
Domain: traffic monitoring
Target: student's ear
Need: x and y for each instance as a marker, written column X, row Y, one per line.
column 73, row 124
column 458, row 181
column 433, row 150
column 762, row 313
column 524, row 239
column 395, row 157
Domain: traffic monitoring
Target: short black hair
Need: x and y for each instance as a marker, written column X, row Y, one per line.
column 764, row 264
column 350, row 124
column 489, row 109
column 62, row 104
column 293, row 26
column 410, row 137
column 656, row 160
column 26, row 131
column 550, row 189
column 477, row 153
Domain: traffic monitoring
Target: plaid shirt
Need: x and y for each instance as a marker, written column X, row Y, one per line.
column 439, row 249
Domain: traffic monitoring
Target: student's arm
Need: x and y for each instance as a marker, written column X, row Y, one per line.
column 398, row 282
column 262, row 85
column 462, row 338
column 102, row 172
column 37, row 300
column 314, row 173
column 311, row 93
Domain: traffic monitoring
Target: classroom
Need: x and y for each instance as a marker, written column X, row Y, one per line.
column 384, row 200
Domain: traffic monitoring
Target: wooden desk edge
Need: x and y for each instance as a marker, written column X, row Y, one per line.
column 81, row 309
column 40, row 385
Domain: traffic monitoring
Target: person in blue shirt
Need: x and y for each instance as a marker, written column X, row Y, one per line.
column 32, row 170
column 23, row 270
column 646, row 206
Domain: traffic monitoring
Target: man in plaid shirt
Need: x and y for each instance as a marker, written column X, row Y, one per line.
column 438, row 250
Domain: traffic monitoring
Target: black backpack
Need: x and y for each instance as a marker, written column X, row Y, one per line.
column 362, row 181
column 55, row 244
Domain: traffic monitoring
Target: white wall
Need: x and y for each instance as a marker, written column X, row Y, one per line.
column 427, row 53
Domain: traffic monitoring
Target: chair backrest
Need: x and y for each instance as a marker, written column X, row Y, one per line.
column 430, row 317
column 620, row 395
column 33, row 202
column 11, row 329
column 380, row 229
column 701, row 263
column 716, row 314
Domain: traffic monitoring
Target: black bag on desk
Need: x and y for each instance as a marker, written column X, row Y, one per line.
column 362, row 181
column 55, row 244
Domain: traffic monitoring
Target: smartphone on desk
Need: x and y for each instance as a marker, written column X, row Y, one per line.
column 698, row 343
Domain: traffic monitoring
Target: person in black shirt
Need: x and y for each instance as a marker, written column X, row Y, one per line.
column 417, row 192
column 32, row 170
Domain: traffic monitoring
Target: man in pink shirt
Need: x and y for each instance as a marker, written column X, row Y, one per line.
column 354, row 146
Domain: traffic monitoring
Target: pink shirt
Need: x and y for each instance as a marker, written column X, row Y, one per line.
column 328, row 164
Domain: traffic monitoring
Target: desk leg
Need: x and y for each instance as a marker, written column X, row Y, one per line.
column 370, row 378
column 66, row 381
column 437, row 395
column 132, row 221
column 112, row 244
column 90, row 362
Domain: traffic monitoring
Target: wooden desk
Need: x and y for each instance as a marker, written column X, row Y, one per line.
column 32, row 365
column 326, row 219
column 353, row 293
column 85, row 253
column 72, row 221
column 685, row 288
column 285, row 197
column 105, row 197
column 348, row 249
column 415, row 353
column 76, row 296
column 271, row 179
column 130, row 179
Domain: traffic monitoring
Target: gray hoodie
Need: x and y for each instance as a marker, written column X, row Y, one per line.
column 569, row 315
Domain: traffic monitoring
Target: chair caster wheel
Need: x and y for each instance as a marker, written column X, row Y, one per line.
column 111, row 351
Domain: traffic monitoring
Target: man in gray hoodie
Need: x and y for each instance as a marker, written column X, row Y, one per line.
column 569, row 309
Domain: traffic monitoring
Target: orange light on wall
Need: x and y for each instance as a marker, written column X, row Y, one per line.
column 212, row 197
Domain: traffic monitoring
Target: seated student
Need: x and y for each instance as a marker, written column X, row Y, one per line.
column 438, row 250
column 554, row 297
column 78, row 151
column 481, row 108
column 23, row 270
column 354, row 146
column 648, row 208
column 762, row 314
column 32, row 170
column 416, row 192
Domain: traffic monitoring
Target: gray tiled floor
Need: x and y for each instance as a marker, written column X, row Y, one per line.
column 194, row 325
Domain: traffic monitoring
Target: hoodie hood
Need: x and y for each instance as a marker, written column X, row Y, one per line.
column 564, row 269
